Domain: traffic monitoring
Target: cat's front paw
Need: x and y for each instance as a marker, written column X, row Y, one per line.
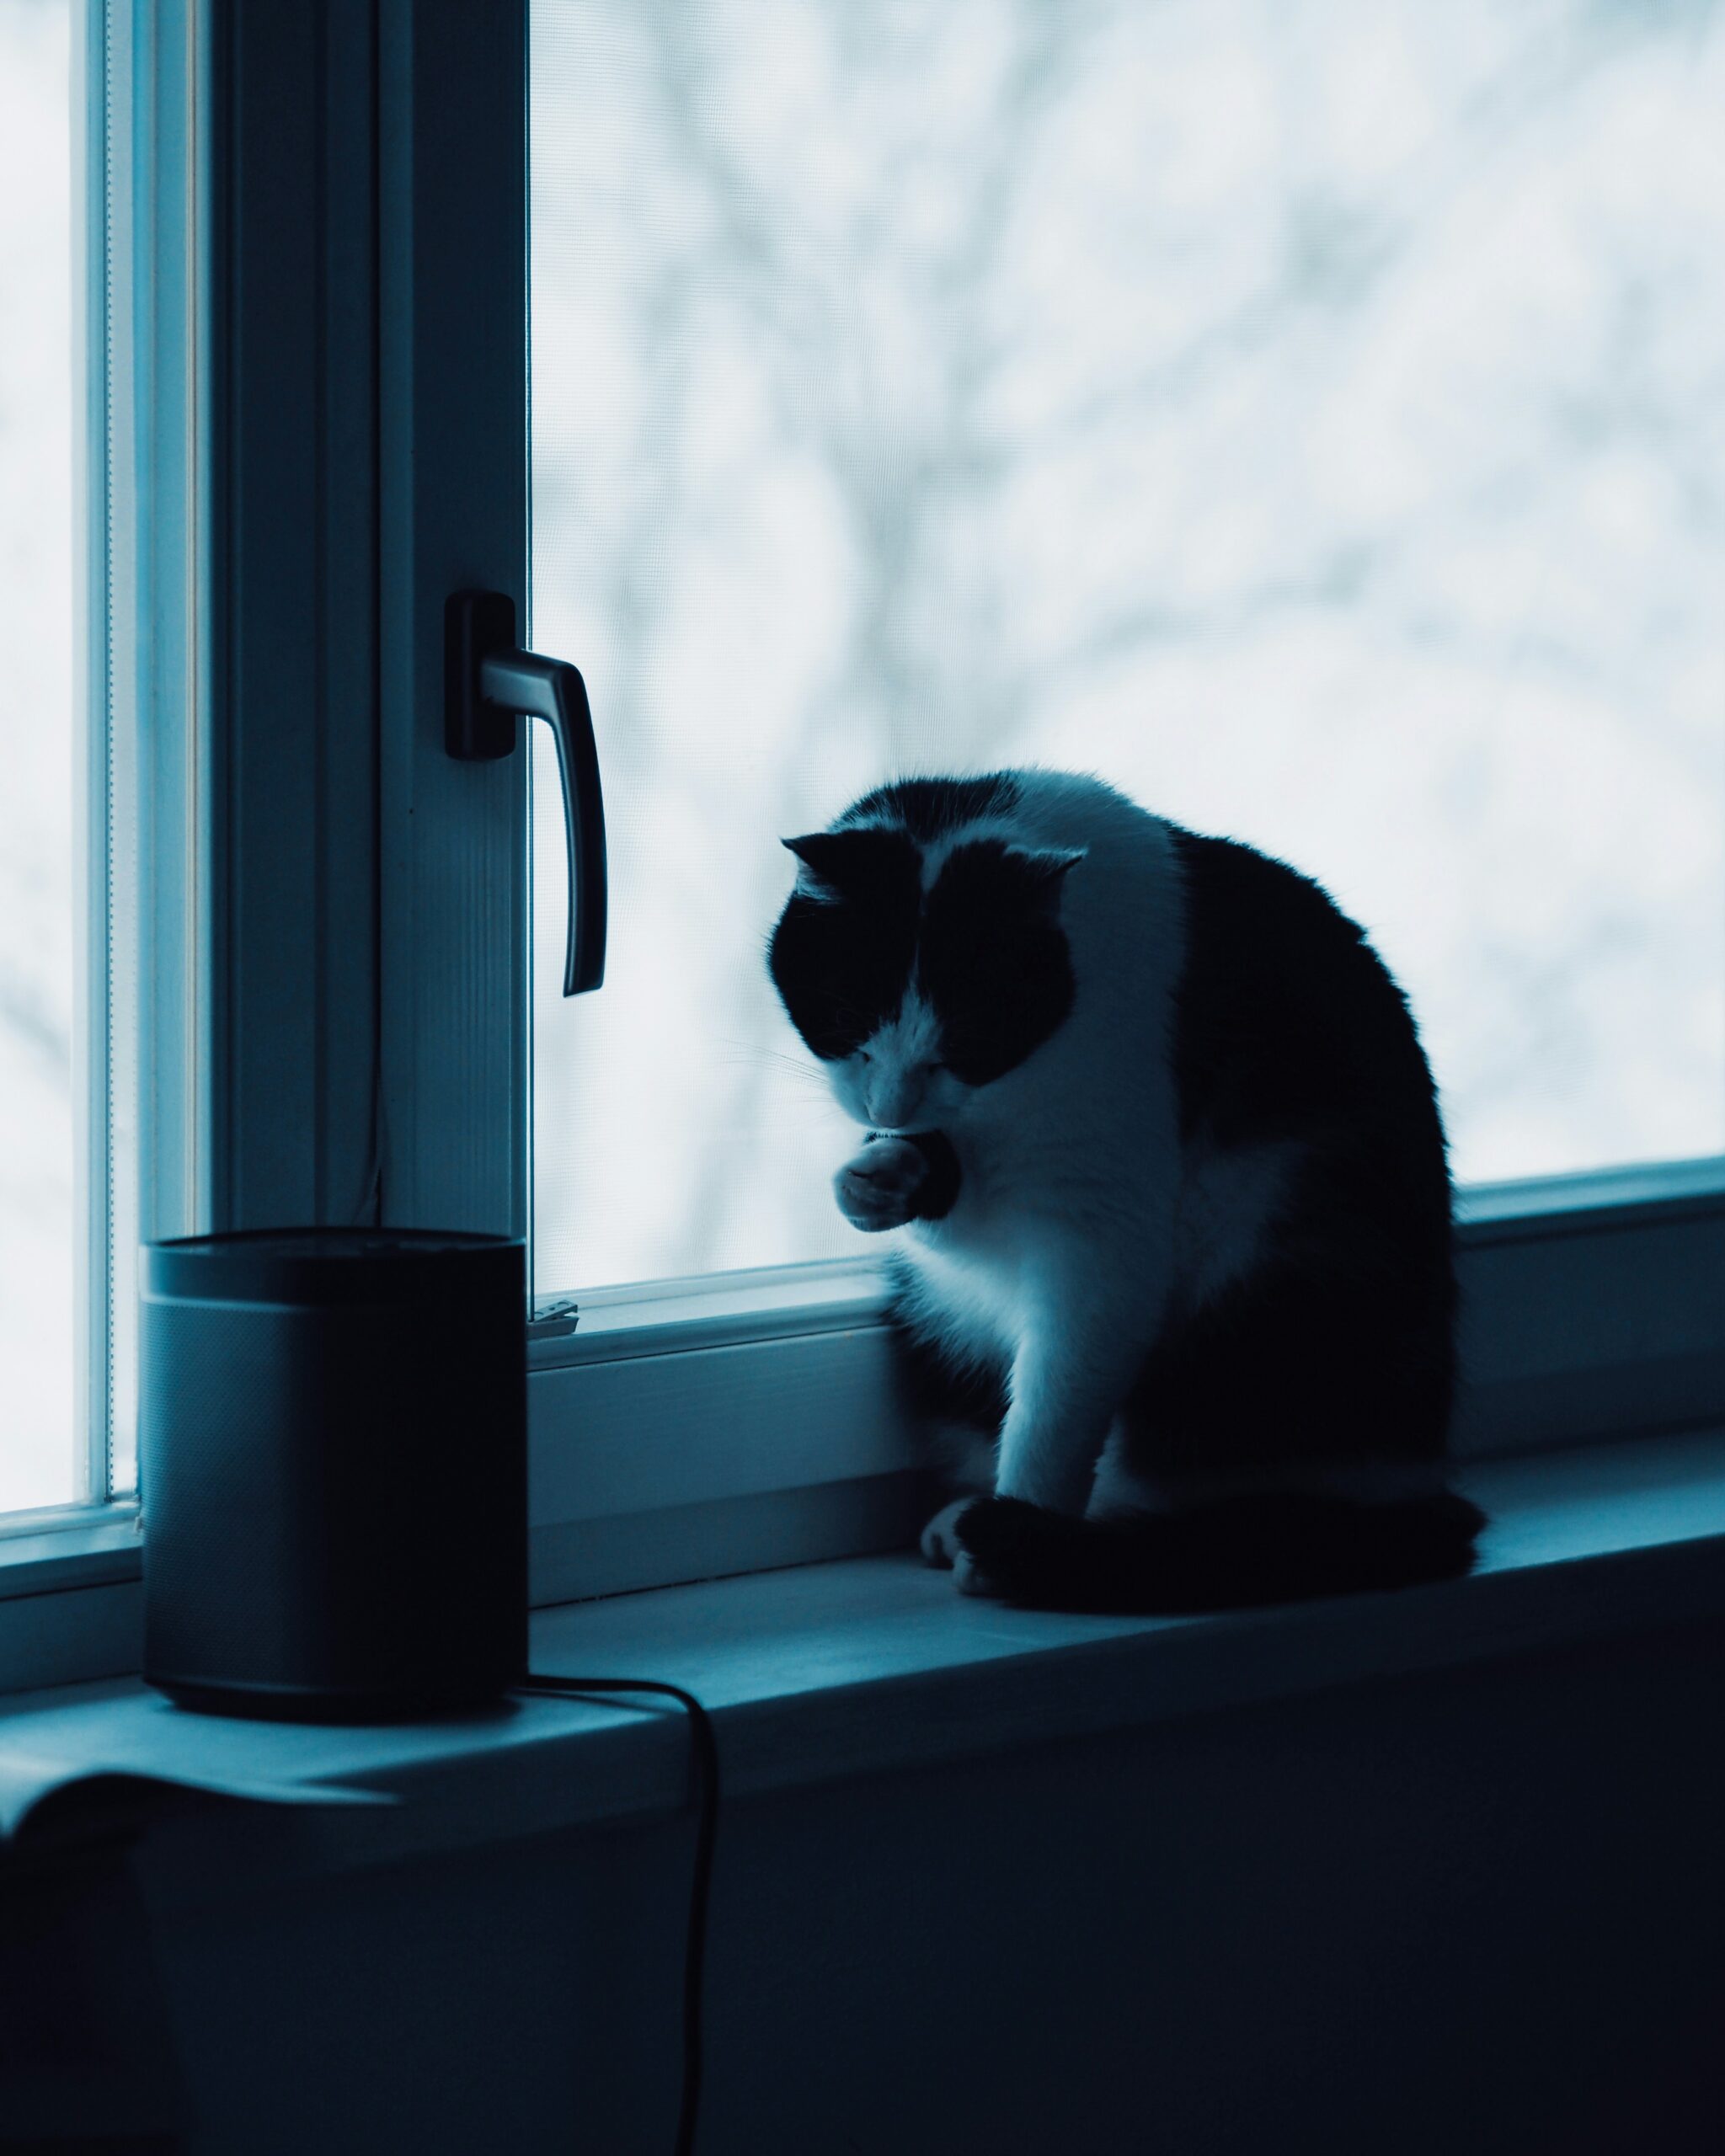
column 942, row 1546
column 940, row 1539
column 878, row 1188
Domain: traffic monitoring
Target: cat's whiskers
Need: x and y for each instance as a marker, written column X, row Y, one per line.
column 748, row 1056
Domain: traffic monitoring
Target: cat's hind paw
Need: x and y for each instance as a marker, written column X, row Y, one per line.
column 879, row 1188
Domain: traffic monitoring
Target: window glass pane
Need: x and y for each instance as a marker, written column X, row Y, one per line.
column 1311, row 417
column 38, row 1453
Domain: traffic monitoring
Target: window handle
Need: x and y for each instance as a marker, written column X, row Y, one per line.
column 487, row 681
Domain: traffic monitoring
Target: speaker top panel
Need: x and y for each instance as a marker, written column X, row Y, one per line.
column 327, row 1268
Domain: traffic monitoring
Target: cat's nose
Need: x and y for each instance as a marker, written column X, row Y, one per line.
column 896, row 1102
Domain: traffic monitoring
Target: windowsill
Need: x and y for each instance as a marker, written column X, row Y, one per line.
column 671, row 1317
column 70, row 1546
column 824, row 1671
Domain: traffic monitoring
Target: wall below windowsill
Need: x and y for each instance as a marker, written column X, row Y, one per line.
column 827, row 1671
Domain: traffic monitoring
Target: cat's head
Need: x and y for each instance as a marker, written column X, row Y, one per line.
column 920, row 973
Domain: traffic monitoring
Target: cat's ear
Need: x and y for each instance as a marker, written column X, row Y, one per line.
column 1039, row 874
column 835, row 863
column 1048, row 865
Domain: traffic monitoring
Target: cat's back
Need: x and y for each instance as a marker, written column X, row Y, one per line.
column 1288, row 1022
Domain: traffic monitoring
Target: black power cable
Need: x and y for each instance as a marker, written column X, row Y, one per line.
column 705, row 1749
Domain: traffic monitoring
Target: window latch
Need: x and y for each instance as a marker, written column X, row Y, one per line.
column 488, row 679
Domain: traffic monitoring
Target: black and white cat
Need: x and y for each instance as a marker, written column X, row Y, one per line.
column 1158, row 1125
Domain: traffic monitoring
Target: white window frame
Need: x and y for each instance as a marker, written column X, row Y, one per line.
column 333, row 930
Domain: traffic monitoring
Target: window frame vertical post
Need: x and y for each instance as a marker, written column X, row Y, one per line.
column 99, row 101
column 453, row 457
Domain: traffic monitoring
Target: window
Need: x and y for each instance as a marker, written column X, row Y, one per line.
column 1307, row 417
column 817, row 370
column 67, row 1164
column 37, row 1462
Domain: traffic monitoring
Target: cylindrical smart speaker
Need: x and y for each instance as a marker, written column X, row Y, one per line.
column 333, row 1471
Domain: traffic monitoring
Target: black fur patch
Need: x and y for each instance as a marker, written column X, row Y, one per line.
column 1288, row 1021
column 840, row 963
column 992, row 958
column 985, row 945
column 1341, row 1343
column 1231, row 1555
column 932, row 808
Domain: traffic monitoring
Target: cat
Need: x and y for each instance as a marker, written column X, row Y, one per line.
column 1176, row 1283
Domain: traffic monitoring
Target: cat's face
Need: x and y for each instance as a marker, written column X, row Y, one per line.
column 919, row 976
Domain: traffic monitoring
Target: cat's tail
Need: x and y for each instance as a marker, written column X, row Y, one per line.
column 1227, row 1553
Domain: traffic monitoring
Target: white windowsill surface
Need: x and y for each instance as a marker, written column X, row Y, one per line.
column 828, row 1671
